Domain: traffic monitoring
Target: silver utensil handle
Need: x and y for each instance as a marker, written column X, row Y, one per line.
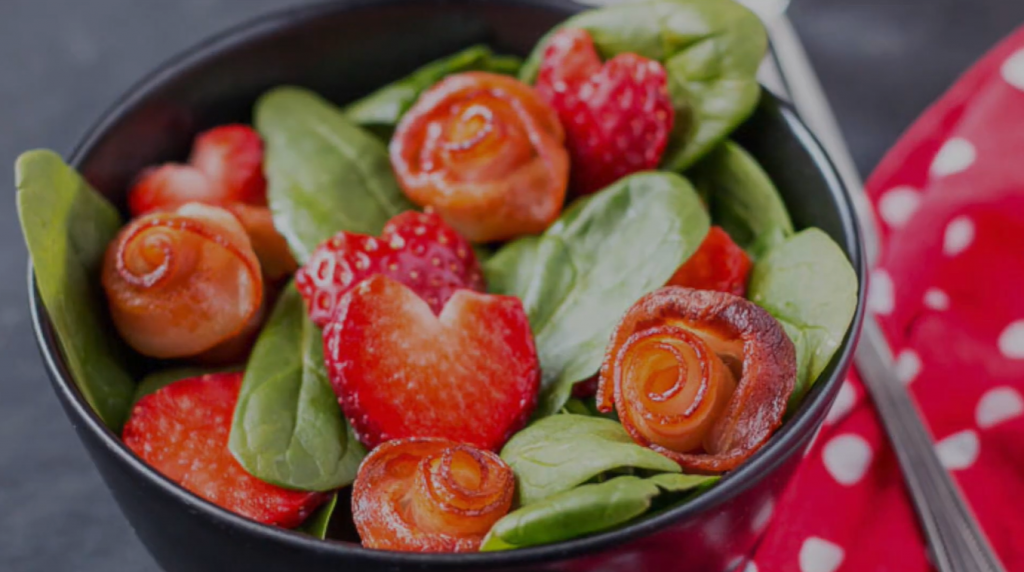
column 956, row 540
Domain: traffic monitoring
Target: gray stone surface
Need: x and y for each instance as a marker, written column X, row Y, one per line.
column 64, row 61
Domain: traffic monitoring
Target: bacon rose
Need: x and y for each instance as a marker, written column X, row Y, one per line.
column 180, row 283
column 430, row 495
column 486, row 153
column 701, row 377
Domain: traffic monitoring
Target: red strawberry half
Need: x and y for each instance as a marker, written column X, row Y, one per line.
column 416, row 249
column 226, row 166
column 232, row 156
column 719, row 264
column 469, row 375
column 617, row 116
column 182, row 431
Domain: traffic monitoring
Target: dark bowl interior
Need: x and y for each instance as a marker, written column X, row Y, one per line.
column 343, row 50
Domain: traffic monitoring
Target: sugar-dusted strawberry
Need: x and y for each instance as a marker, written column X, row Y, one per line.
column 167, row 187
column 182, row 432
column 469, row 375
column 586, row 388
column 719, row 264
column 226, row 167
column 232, row 156
column 417, row 249
column 617, row 116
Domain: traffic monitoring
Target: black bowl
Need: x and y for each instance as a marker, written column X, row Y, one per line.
column 343, row 50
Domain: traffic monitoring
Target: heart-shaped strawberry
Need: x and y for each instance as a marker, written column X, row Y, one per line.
column 226, row 166
column 469, row 375
column 416, row 249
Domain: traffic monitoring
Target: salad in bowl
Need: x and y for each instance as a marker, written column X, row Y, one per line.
column 496, row 304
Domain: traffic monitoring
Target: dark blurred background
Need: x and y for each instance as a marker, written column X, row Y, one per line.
column 62, row 62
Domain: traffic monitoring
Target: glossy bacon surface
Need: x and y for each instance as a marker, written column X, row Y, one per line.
column 180, row 283
column 702, row 377
column 430, row 495
column 271, row 248
column 485, row 152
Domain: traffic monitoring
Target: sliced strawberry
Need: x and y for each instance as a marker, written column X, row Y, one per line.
column 232, row 156
column 469, row 375
column 617, row 117
column 182, row 432
column 719, row 264
column 569, row 60
column 226, row 167
column 167, row 187
column 417, row 249
column 586, row 388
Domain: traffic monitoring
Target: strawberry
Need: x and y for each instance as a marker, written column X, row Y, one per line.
column 226, row 167
column 167, row 187
column 617, row 116
column 586, row 388
column 719, row 264
column 417, row 249
column 232, row 156
column 182, row 432
column 469, row 375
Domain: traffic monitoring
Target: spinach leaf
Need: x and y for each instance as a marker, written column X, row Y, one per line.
column 807, row 283
column 575, row 407
column 711, row 50
column 158, row 380
column 603, row 254
column 316, row 525
column 67, row 226
column 324, row 173
column 288, row 429
column 584, row 510
column 743, row 200
column 560, row 452
column 381, row 110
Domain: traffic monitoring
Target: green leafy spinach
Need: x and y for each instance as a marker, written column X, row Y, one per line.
column 288, row 429
column 560, row 452
column 602, row 255
column 381, row 110
column 324, row 173
column 742, row 199
column 585, row 510
column 807, row 283
column 316, row 525
column 67, row 227
column 711, row 50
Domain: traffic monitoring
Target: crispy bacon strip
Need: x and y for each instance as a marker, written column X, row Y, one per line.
column 180, row 283
column 485, row 152
column 429, row 495
column 271, row 248
column 702, row 377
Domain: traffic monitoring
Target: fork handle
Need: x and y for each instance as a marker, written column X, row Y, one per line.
column 956, row 541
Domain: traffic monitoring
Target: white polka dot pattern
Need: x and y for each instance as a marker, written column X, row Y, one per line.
column 959, row 450
column 1013, row 70
column 820, row 555
column 847, row 458
column 954, row 157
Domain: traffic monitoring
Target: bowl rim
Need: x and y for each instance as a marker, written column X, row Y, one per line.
column 774, row 453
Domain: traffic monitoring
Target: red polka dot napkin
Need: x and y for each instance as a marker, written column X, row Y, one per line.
column 949, row 292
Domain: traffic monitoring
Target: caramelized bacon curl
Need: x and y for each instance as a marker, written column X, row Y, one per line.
column 486, row 153
column 430, row 495
column 180, row 283
column 701, row 377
